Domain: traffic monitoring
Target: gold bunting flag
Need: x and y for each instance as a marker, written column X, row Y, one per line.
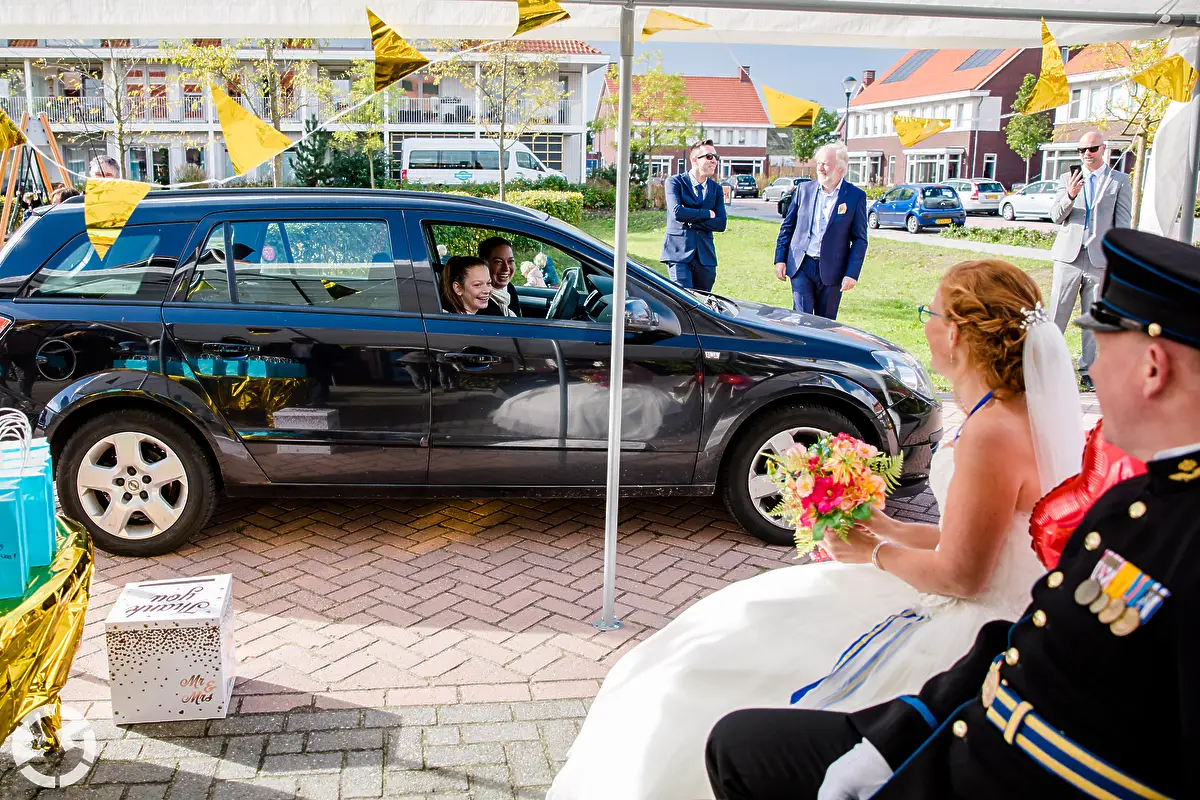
column 787, row 111
column 394, row 57
column 534, row 14
column 912, row 130
column 658, row 20
column 1172, row 77
column 249, row 140
column 10, row 134
column 108, row 203
column 1050, row 91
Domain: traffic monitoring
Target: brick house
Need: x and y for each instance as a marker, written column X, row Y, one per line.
column 732, row 115
column 971, row 88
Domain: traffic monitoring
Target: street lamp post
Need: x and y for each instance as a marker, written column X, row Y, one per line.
column 848, row 84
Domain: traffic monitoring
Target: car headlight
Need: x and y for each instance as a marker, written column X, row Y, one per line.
column 906, row 369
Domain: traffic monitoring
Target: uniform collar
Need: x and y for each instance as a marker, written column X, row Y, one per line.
column 1176, row 469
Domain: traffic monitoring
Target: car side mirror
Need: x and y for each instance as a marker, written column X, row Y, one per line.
column 638, row 316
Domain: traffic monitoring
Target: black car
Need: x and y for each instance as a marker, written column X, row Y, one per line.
column 292, row 342
column 744, row 185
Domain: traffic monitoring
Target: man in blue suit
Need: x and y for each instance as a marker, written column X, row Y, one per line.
column 823, row 239
column 695, row 208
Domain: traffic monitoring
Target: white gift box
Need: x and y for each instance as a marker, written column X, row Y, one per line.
column 170, row 650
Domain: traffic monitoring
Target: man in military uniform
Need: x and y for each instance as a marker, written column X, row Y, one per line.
column 1095, row 691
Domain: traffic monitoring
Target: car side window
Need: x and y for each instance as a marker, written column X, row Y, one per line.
column 892, row 196
column 138, row 266
column 906, row 195
column 524, row 160
column 319, row 263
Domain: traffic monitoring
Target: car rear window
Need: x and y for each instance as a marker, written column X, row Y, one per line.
column 138, row 266
column 938, row 192
column 990, row 186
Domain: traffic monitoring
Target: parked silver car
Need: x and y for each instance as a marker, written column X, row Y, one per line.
column 1033, row 200
column 781, row 187
column 978, row 195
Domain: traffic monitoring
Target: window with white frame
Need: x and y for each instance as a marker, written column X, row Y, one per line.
column 891, row 170
column 1098, row 105
column 1075, row 108
column 741, row 136
column 856, row 170
column 989, row 165
column 660, row 166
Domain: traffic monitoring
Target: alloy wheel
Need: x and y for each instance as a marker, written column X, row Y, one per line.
column 763, row 491
column 132, row 485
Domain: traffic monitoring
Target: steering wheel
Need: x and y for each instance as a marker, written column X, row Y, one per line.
column 569, row 296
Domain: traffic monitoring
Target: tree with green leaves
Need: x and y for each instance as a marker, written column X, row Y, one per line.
column 517, row 90
column 310, row 164
column 806, row 141
column 264, row 74
column 1026, row 133
column 363, row 127
column 662, row 111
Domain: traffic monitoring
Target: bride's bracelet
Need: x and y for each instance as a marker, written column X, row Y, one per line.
column 875, row 555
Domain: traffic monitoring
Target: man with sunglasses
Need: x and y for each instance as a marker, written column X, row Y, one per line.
column 1090, row 202
column 695, row 209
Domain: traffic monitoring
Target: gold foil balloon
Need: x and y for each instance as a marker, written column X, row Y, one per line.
column 1172, row 77
column 108, row 204
column 249, row 140
column 912, row 130
column 1050, row 91
column 659, row 20
column 10, row 134
column 394, row 57
column 534, row 14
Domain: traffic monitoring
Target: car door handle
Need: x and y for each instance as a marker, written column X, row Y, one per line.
column 229, row 348
column 472, row 359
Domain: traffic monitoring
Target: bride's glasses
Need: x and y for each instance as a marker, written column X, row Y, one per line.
column 925, row 312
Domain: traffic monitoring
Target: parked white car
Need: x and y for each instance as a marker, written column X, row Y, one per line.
column 781, row 187
column 1033, row 200
column 978, row 195
column 461, row 161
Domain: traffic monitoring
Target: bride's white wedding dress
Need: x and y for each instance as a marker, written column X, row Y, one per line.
column 756, row 642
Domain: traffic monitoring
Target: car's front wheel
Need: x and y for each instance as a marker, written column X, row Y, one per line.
column 873, row 220
column 913, row 225
column 137, row 481
column 1007, row 212
column 748, row 491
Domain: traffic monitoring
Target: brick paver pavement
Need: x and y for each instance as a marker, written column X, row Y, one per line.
column 407, row 649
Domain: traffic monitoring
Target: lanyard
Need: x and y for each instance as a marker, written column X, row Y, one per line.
column 982, row 402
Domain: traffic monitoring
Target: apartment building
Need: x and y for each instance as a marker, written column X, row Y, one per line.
column 170, row 122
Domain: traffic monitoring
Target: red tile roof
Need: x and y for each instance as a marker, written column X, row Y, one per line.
column 938, row 75
column 569, row 47
column 1099, row 58
column 722, row 99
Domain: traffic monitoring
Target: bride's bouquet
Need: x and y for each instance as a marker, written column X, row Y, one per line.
column 830, row 485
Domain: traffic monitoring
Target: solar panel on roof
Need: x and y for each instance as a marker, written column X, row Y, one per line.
column 980, row 58
column 911, row 65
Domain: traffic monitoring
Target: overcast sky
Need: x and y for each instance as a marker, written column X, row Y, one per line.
column 814, row 73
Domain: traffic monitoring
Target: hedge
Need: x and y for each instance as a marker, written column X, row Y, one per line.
column 567, row 206
column 1021, row 237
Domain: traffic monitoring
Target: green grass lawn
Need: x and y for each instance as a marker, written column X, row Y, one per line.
column 896, row 278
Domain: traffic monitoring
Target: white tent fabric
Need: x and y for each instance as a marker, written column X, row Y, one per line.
column 1174, row 148
column 996, row 23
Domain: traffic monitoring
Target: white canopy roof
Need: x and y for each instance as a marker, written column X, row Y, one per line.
column 841, row 23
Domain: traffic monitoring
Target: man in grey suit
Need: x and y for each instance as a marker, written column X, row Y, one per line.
column 1089, row 203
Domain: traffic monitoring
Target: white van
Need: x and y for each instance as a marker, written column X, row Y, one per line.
column 452, row 161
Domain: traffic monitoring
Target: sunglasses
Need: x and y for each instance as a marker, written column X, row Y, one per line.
column 1093, row 149
column 924, row 313
column 709, row 156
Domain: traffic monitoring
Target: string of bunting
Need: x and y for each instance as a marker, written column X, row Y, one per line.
column 110, row 202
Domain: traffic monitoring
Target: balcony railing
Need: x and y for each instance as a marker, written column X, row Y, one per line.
column 14, row 107
column 561, row 113
column 432, row 110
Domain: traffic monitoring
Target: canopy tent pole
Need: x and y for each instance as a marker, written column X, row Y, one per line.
column 1187, row 218
column 616, row 371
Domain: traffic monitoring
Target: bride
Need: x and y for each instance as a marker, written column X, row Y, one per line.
column 900, row 602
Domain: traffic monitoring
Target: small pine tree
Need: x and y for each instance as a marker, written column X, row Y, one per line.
column 310, row 164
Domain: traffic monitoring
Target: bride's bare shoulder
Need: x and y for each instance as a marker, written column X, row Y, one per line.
column 1003, row 431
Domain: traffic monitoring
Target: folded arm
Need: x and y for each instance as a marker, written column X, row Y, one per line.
column 676, row 208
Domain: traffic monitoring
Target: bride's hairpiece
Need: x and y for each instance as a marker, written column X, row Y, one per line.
column 1034, row 316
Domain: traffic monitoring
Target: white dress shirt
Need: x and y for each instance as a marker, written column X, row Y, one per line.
column 820, row 218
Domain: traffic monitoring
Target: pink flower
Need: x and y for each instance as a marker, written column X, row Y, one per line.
column 827, row 493
column 865, row 450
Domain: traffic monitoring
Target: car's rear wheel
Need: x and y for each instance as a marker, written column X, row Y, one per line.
column 138, row 482
column 872, row 220
column 1007, row 212
column 748, row 491
column 913, row 224
column 784, row 202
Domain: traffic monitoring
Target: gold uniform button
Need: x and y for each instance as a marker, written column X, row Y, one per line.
column 1012, row 657
column 1055, row 580
column 960, row 728
column 1039, row 618
column 1137, row 510
column 1092, row 541
column 1154, row 329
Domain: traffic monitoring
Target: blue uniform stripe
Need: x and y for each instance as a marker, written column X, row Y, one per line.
column 921, row 708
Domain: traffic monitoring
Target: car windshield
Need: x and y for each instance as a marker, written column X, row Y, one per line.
column 745, row 179
column 938, row 191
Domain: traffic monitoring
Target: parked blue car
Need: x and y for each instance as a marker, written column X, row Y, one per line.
column 915, row 206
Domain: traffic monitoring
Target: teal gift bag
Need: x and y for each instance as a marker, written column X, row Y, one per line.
column 25, row 467
column 14, row 569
